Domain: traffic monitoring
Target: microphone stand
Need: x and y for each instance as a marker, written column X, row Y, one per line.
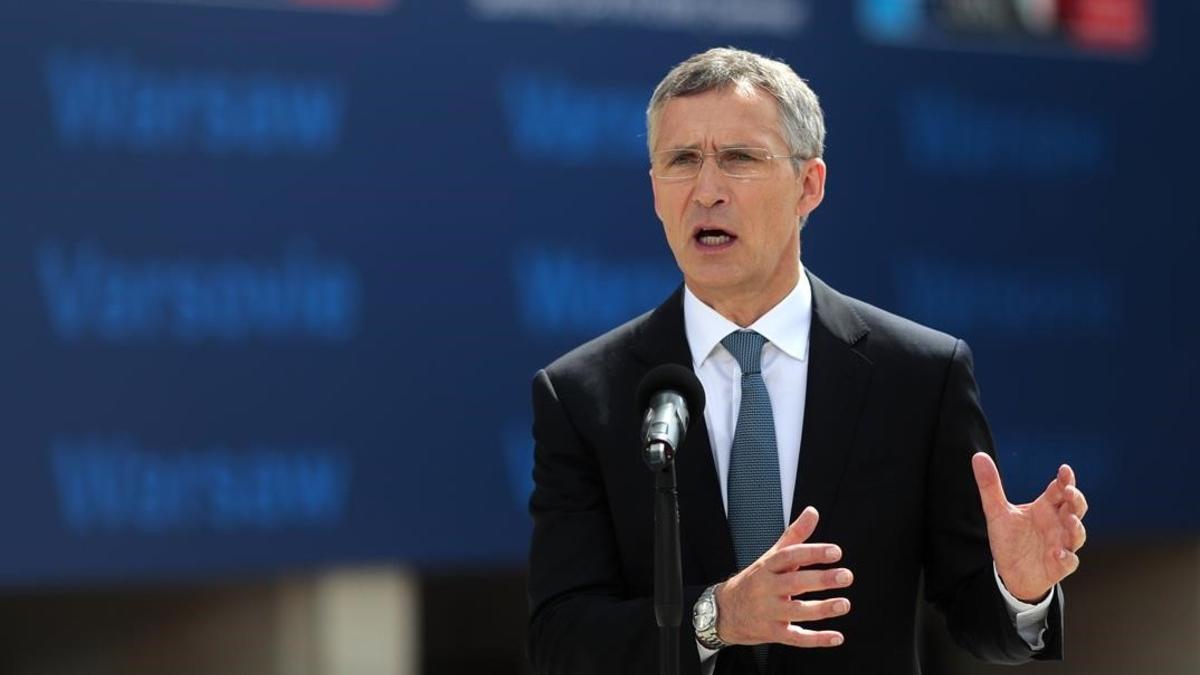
column 668, row 579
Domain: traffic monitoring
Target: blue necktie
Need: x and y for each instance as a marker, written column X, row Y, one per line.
column 755, row 502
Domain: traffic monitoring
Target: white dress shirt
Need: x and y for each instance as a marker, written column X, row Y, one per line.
column 785, row 373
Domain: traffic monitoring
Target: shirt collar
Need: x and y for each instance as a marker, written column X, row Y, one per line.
column 786, row 325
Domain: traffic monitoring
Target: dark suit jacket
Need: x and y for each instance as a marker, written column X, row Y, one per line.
column 891, row 420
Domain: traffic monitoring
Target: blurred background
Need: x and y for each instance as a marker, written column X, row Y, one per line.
column 277, row 274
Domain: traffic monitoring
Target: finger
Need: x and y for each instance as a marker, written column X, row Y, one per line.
column 810, row 581
column 987, row 479
column 800, row 529
column 1066, row 475
column 1075, row 534
column 1054, row 493
column 1067, row 562
column 794, row 557
column 802, row 637
column 1074, row 500
column 816, row 610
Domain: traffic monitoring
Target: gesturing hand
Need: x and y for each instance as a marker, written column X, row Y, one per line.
column 756, row 605
column 1033, row 544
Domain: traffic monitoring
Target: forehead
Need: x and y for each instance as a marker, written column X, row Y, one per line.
column 719, row 117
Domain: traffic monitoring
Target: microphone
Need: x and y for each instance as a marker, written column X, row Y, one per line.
column 669, row 394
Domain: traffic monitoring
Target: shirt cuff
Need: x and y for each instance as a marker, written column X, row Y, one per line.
column 1029, row 620
column 708, row 661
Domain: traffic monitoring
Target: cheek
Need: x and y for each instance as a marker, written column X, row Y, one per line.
column 670, row 212
column 774, row 218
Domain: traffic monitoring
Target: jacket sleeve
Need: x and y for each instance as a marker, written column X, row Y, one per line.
column 583, row 618
column 957, row 559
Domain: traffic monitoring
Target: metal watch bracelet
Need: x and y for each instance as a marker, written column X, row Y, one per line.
column 704, row 620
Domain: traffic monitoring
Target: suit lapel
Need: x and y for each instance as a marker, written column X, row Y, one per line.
column 705, row 530
column 838, row 378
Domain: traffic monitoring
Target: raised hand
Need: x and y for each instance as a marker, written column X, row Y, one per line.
column 756, row 605
column 1034, row 545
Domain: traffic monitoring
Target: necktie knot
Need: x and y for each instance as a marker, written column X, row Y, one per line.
column 746, row 346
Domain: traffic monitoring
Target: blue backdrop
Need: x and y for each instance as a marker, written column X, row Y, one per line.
column 276, row 276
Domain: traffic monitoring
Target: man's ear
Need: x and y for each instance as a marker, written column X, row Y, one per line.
column 654, row 193
column 812, row 186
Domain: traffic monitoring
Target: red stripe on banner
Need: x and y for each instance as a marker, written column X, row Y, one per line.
column 1108, row 25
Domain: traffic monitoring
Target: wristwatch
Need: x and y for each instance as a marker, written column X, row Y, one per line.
column 704, row 620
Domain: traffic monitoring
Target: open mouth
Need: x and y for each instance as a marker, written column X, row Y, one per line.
column 713, row 237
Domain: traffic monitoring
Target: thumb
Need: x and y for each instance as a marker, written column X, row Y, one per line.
column 987, row 479
column 800, row 529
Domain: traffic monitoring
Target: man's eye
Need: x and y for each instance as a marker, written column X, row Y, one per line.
column 740, row 156
column 683, row 159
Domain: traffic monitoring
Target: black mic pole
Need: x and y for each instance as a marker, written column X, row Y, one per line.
column 668, row 578
column 666, row 393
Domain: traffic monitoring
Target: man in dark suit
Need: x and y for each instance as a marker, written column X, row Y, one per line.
column 859, row 428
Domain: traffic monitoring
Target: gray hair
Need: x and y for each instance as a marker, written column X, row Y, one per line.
column 799, row 110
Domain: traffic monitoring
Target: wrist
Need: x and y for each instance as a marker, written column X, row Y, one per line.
column 1035, row 601
column 1021, row 595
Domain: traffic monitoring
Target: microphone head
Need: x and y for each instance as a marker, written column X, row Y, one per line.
column 676, row 378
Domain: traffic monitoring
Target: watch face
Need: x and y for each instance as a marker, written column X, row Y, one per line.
column 704, row 615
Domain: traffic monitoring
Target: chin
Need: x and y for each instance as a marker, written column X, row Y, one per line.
column 712, row 282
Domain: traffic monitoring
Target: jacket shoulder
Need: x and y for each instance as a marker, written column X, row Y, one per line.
column 892, row 335
column 593, row 359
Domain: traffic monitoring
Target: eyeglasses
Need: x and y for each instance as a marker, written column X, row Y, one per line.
column 685, row 163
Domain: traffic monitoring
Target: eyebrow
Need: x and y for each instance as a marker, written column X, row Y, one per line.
column 723, row 146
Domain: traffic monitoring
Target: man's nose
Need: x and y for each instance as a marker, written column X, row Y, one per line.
column 711, row 184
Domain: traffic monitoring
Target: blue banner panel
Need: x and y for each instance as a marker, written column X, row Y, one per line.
column 276, row 281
